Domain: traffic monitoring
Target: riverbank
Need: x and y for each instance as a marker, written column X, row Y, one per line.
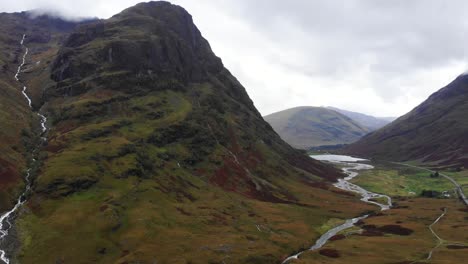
column 370, row 243
column 402, row 234
column 350, row 167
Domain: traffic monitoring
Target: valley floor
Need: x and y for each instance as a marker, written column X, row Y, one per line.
column 403, row 234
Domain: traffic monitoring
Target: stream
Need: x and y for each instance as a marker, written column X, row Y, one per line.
column 350, row 167
column 6, row 218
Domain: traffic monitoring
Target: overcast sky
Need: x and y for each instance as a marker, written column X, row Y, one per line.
column 378, row 57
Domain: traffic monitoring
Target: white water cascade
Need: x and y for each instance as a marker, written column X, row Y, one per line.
column 6, row 218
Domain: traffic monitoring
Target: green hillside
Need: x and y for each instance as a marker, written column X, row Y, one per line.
column 17, row 135
column 156, row 154
column 435, row 132
column 306, row 127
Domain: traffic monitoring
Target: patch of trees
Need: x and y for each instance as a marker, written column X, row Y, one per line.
column 106, row 131
column 430, row 193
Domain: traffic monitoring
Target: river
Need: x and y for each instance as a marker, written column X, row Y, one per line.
column 7, row 217
column 350, row 166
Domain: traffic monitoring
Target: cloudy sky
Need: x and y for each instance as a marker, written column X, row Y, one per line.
column 379, row 57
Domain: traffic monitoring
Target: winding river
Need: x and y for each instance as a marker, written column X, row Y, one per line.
column 6, row 218
column 351, row 166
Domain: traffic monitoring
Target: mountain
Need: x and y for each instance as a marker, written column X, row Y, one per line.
column 370, row 122
column 389, row 119
column 155, row 153
column 16, row 136
column 306, row 127
column 434, row 132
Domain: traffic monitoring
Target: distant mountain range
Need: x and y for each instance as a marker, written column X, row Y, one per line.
column 306, row 127
column 434, row 132
column 370, row 122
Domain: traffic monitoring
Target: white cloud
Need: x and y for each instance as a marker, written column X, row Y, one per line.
column 377, row 57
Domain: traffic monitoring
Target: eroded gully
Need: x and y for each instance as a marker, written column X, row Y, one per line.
column 351, row 168
column 7, row 217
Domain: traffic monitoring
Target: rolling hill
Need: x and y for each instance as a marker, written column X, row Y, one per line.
column 370, row 122
column 434, row 132
column 306, row 127
column 156, row 154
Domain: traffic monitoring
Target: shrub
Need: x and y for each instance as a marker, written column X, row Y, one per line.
column 430, row 193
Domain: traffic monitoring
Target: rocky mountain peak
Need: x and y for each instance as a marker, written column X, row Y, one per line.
column 155, row 40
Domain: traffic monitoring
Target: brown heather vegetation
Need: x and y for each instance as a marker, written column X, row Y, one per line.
column 401, row 235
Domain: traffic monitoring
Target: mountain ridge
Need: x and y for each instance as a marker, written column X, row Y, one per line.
column 436, row 126
column 306, row 126
column 371, row 122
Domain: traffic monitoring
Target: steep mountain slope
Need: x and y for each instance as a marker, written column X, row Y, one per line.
column 156, row 153
column 435, row 131
column 16, row 136
column 389, row 119
column 306, row 127
column 370, row 122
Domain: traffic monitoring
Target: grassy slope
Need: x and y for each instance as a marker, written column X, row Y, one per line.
column 305, row 127
column 15, row 116
column 12, row 161
column 459, row 176
column 18, row 123
column 150, row 159
column 398, row 180
column 435, row 131
column 172, row 214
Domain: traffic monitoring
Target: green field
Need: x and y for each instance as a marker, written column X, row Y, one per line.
column 395, row 180
column 461, row 177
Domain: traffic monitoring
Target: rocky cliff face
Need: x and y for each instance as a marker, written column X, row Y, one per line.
column 160, row 42
column 155, row 50
column 156, row 153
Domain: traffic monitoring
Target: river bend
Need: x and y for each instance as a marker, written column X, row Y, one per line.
column 350, row 167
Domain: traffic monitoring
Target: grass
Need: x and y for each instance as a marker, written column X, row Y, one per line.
column 416, row 214
column 411, row 212
column 396, row 180
column 15, row 140
column 16, row 117
column 130, row 215
column 461, row 177
column 121, row 187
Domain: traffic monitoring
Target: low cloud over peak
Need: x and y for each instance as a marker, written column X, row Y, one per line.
column 34, row 13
